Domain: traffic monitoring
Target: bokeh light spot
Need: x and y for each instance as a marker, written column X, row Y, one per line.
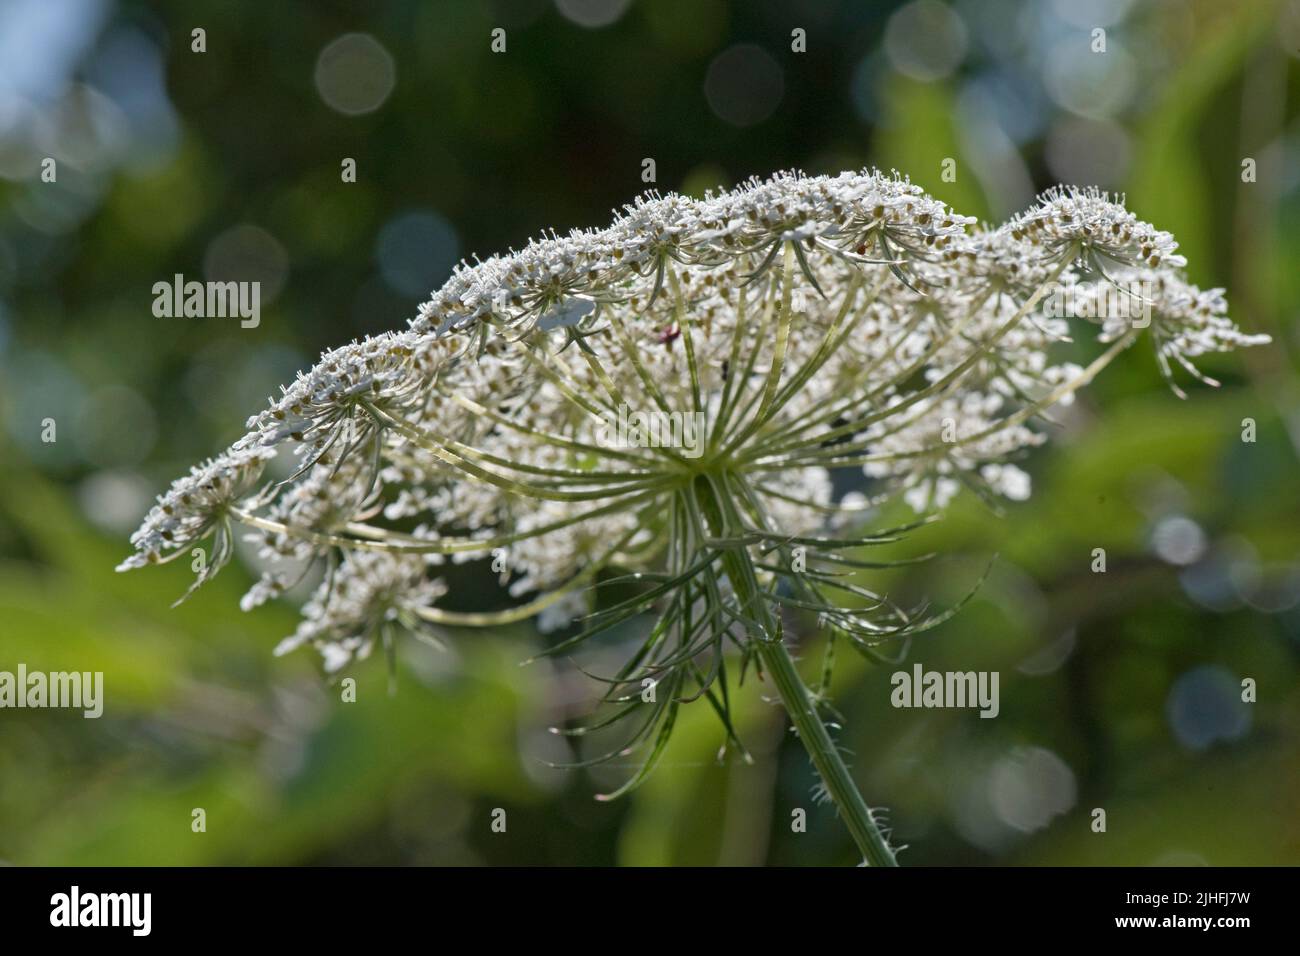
column 416, row 252
column 115, row 500
column 115, row 427
column 355, row 74
column 925, row 40
column 248, row 253
column 1205, row 706
column 744, row 85
column 1091, row 13
column 1095, row 152
column 1178, row 540
column 1096, row 85
column 1029, row 786
column 592, row 14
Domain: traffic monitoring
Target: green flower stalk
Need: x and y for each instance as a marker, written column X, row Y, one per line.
column 656, row 408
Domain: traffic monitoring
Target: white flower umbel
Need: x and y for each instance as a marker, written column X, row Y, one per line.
column 813, row 324
column 196, row 507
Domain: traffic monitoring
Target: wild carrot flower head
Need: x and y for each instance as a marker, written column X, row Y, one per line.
column 670, row 396
column 373, row 593
column 195, row 507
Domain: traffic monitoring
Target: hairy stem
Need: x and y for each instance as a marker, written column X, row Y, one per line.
column 723, row 518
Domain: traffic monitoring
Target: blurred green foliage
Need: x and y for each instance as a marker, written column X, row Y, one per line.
column 552, row 134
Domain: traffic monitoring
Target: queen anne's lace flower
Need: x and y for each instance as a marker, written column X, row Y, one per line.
column 812, row 322
column 196, row 505
column 1087, row 223
column 800, row 326
column 366, row 594
column 950, row 441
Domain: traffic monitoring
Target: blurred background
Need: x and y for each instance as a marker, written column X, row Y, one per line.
column 1119, row 691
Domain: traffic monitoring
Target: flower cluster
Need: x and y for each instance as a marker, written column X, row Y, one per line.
column 373, row 592
column 818, row 324
column 196, row 506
